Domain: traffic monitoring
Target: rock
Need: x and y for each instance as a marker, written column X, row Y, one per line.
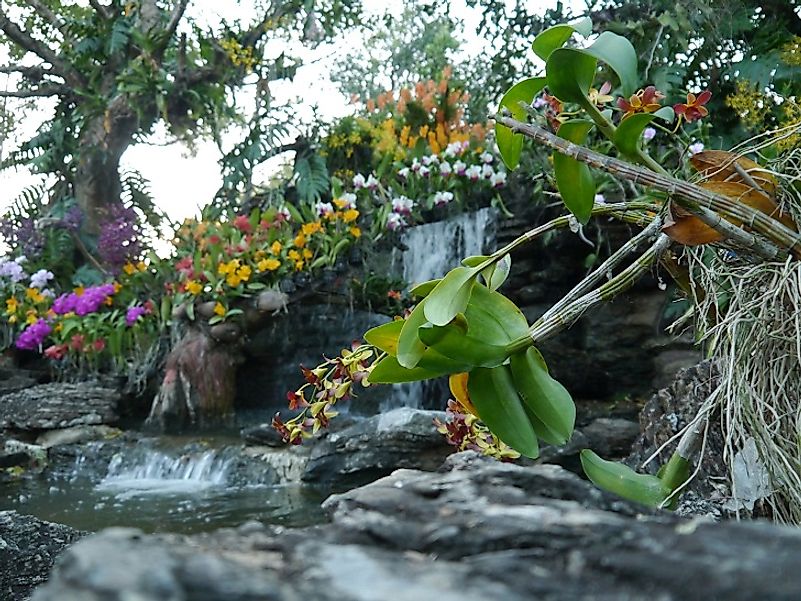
column 28, row 548
column 376, row 446
column 59, row 405
column 610, row 437
column 473, row 531
column 76, row 434
column 263, row 435
column 14, row 459
column 37, row 455
column 13, row 379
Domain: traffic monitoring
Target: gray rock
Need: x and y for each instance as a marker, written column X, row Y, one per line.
column 473, row 531
column 376, row 446
column 28, row 548
column 59, row 405
column 665, row 414
column 76, row 434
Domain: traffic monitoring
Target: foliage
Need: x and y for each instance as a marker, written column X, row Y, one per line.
column 223, row 261
column 112, row 328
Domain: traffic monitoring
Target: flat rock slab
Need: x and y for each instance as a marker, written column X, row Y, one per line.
column 475, row 530
column 59, row 405
column 28, row 548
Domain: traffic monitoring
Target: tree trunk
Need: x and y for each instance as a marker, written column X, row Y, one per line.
column 103, row 142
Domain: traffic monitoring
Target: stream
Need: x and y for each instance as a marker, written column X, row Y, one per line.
column 167, row 484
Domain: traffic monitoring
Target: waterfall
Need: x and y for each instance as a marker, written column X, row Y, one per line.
column 152, row 471
column 433, row 250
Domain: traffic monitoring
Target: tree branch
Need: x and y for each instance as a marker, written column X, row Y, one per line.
column 34, row 72
column 177, row 14
column 44, row 11
column 103, row 11
column 50, row 90
column 28, row 43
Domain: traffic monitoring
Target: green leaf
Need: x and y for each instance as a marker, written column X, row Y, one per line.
column 190, row 311
column 627, row 135
column 510, row 144
column 475, row 260
column 493, row 318
column 546, row 398
column 495, row 275
column 573, row 178
column 450, row 296
column 389, row 371
column 410, row 347
column 494, row 396
column 570, row 73
column 385, row 336
column 623, row 481
column 617, row 52
column 452, row 342
column 556, row 36
column 423, row 289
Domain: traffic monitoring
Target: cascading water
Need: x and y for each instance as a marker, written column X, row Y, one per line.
column 433, row 249
column 154, row 472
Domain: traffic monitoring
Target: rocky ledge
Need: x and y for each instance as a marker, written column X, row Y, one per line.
column 28, row 548
column 474, row 530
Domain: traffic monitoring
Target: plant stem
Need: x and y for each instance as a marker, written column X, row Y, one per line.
column 689, row 196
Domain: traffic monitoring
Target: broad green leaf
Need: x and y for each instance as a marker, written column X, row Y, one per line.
column 385, row 336
column 410, row 348
column 573, row 178
column 493, row 318
column 389, row 371
column 438, row 363
column 555, row 37
column 673, row 474
column 475, row 260
column 623, row 481
column 493, row 394
column 423, row 289
column 450, row 296
column 495, row 275
column 617, row 52
column 628, row 133
column 511, row 144
column 455, row 344
column 569, row 74
column 546, row 398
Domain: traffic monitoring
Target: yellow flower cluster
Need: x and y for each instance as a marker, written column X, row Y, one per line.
column 235, row 273
column 239, row 55
column 749, row 103
column 130, row 268
column 791, row 115
column 791, row 51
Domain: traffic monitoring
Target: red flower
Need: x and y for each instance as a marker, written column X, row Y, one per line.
column 99, row 344
column 242, row 223
column 296, row 401
column 394, row 294
column 56, row 352
column 694, row 109
column 644, row 101
column 214, row 239
column 76, row 342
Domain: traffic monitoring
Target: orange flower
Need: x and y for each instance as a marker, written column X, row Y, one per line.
column 644, row 101
column 694, row 109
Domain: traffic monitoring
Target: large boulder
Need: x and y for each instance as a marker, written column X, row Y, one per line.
column 374, row 447
column 28, row 549
column 59, row 405
column 475, row 530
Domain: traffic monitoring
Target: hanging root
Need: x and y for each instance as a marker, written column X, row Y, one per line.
column 758, row 348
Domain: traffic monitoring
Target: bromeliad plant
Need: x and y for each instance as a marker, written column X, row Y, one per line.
column 464, row 328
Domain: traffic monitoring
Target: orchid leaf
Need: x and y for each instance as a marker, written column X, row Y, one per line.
column 573, row 178
column 509, row 143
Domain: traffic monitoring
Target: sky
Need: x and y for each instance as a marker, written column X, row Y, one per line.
column 181, row 182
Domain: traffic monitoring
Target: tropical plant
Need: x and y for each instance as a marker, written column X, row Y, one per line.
column 464, row 328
